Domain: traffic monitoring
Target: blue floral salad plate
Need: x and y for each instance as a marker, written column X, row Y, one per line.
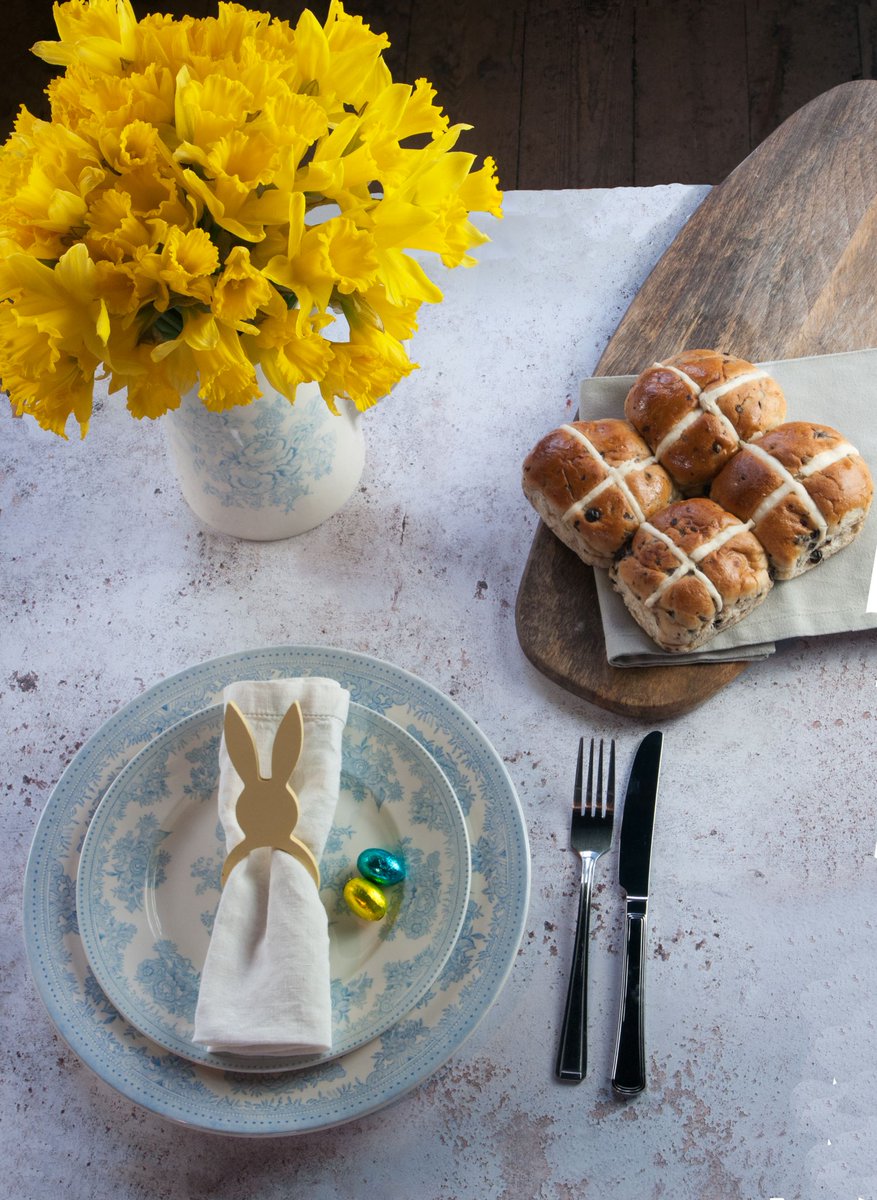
column 148, row 883
column 362, row 1080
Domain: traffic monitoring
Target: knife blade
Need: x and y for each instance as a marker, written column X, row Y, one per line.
column 634, row 862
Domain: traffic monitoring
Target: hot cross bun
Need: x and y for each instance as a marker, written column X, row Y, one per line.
column 803, row 488
column 695, row 408
column 593, row 483
column 690, row 572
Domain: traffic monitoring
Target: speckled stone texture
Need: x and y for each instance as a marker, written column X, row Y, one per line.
column 761, row 1036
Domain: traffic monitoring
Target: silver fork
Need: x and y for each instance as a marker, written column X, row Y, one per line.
column 590, row 836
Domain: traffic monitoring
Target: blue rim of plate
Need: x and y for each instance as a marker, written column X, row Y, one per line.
column 368, row 1078
column 434, row 911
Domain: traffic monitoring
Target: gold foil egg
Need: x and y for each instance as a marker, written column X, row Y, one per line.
column 365, row 899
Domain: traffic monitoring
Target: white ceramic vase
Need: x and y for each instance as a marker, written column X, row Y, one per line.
column 269, row 469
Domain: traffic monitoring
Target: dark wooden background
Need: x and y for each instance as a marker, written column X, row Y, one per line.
column 576, row 93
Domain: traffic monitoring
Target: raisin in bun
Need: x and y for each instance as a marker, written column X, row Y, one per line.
column 805, row 490
column 690, row 572
column 593, row 483
column 694, row 410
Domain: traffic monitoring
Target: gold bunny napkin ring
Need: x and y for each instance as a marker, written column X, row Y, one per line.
column 267, row 810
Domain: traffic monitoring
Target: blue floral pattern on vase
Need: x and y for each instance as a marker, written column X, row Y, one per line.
column 269, row 464
column 267, row 469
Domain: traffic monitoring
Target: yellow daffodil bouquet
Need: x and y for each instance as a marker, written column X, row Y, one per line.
column 214, row 195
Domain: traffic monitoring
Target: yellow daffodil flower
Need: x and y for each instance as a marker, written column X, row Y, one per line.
column 99, row 33
column 290, row 352
column 241, row 291
column 212, row 194
column 54, row 335
column 226, row 376
column 184, row 266
column 334, row 255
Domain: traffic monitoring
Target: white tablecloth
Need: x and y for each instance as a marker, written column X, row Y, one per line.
column 762, row 944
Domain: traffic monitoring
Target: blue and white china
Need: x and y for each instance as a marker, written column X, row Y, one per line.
column 268, row 469
column 149, row 882
column 365, row 1079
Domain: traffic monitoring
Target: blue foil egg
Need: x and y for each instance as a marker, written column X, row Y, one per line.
column 381, row 867
column 365, row 899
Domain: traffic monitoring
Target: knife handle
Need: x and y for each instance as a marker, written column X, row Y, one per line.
column 629, row 1068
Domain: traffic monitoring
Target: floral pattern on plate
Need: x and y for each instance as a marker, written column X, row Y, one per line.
column 148, row 884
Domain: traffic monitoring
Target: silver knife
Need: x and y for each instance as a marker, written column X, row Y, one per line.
column 634, row 860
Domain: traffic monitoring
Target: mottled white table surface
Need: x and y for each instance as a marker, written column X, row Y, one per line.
column 761, row 1035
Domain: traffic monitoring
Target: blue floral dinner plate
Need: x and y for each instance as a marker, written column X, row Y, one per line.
column 365, row 1079
column 149, row 882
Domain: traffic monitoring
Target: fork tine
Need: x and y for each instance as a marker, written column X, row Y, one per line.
column 610, row 782
column 577, row 789
column 598, row 795
column 589, row 795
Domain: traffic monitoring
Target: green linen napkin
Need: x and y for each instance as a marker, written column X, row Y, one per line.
column 837, row 596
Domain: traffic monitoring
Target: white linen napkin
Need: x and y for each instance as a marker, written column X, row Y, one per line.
column 839, row 595
column 265, row 986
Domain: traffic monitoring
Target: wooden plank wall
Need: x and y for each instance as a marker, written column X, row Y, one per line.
column 577, row 93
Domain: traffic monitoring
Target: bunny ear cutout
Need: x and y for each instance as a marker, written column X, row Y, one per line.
column 240, row 744
column 287, row 743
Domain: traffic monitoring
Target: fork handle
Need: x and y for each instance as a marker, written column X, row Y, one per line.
column 572, row 1056
column 629, row 1069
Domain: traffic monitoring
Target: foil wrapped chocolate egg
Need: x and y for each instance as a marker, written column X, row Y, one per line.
column 380, row 866
column 365, row 899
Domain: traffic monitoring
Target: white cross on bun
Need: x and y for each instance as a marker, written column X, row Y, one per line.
column 805, row 490
column 689, row 573
column 593, row 483
column 695, row 408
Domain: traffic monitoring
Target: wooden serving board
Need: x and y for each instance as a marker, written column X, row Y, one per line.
column 779, row 261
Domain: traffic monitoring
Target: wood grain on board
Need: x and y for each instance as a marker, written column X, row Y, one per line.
column 777, row 262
